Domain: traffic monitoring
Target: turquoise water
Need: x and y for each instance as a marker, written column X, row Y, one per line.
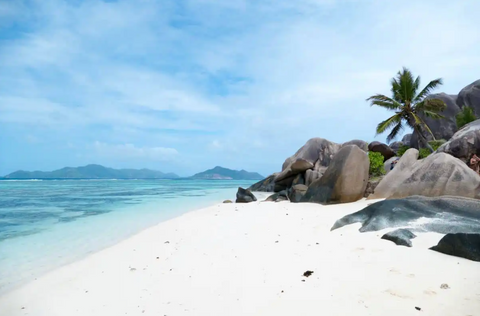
column 46, row 224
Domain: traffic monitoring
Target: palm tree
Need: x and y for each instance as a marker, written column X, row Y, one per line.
column 409, row 105
column 465, row 116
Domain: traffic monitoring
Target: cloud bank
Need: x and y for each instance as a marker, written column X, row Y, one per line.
column 242, row 84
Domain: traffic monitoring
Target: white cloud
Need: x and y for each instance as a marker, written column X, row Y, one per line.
column 252, row 77
column 130, row 151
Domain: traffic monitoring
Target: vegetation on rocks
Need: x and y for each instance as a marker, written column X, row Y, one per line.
column 376, row 164
column 409, row 105
column 465, row 116
column 423, row 153
column 402, row 149
column 437, row 143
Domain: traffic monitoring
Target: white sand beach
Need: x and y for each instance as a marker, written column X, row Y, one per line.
column 249, row 259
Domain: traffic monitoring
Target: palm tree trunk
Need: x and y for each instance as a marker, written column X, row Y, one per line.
column 422, row 140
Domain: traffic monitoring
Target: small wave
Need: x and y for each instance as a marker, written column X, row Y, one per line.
column 21, row 180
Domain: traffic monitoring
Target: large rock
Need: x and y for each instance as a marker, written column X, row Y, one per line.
column 300, row 165
column 283, row 184
column 401, row 237
column 265, row 185
column 470, row 96
column 317, row 151
column 312, row 175
column 406, row 139
column 363, row 145
column 371, row 185
column 297, row 192
column 390, row 164
column 382, row 148
column 441, row 128
column 438, row 174
column 395, row 146
column 299, row 179
column 344, row 180
column 245, row 196
column 277, row 197
column 445, row 214
column 465, row 143
column 460, row 245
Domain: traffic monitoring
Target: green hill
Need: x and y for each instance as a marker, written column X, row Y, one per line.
column 220, row 173
column 91, row 172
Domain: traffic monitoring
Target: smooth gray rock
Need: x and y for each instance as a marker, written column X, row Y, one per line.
column 297, row 192
column 401, row 237
column 299, row 179
column 438, row 174
column 363, row 145
column 406, row 139
column 283, row 184
column 395, row 146
column 388, row 164
column 444, row 215
column 282, row 195
column 312, row 175
column 245, row 196
column 382, row 148
column 318, row 151
column 371, row 186
column 464, row 143
column 265, row 185
column 460, row 245
column 272, row 198
column 344, row 180
column 470, row 96
column 441, row 128
column 300, row 165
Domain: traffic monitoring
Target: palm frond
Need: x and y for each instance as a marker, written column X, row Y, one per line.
column 416, row 85
column 395, row 119
column 407, row 84
column 420, row 122
column 433, row 105
column 384, row 101
column 433, row 115
column 394, row 132
column 428, row 88
column 396, row 90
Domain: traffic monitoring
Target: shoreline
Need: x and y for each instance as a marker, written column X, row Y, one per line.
column 33, row 276
column 240, row 259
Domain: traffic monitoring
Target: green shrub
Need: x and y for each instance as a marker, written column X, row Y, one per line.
column 376, row 164
column 437, row 143
column 423, row 153
column 402, row 149
column 465, row 116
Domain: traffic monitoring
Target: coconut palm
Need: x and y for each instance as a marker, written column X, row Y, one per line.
column 409, row 106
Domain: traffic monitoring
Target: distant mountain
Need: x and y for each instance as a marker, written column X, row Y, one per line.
column 91, row 172
column 219, row 173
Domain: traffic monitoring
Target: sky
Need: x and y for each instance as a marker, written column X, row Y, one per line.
column 185, row 85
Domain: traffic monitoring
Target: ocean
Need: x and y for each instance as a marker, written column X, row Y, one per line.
column 50, row 223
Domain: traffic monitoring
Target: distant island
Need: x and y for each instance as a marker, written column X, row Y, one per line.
column 92, row 172
column 220, row 173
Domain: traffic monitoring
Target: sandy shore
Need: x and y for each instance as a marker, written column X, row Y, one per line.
column 249, row 259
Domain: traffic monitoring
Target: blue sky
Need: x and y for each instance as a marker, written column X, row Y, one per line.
column 184, row 86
